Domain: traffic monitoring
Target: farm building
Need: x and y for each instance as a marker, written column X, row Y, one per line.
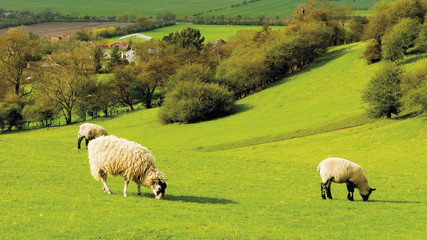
column 137, row 35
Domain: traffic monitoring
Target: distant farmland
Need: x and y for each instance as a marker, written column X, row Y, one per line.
column 57, row 28
column 181, row 8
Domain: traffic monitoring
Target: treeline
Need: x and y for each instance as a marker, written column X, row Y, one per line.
column 25, row 17
column 398, row 29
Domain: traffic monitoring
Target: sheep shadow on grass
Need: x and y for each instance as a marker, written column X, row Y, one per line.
column 194, row 199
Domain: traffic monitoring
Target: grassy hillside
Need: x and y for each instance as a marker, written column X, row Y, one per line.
column 251, row 175
column 180, row 8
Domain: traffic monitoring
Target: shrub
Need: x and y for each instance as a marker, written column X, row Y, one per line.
column 421, row 41
column 402, row 37
column 194, row 101
column 372, row 53
column 383, row 93
column 414, row 86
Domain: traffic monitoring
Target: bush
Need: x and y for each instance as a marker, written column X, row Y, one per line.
column 414, row 86
column 383, row 93
column 194, row 101
column 372, row 53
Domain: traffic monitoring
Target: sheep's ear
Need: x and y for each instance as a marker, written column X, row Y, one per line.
column 373, row 189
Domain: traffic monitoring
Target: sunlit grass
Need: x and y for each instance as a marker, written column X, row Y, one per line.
column 251, row 175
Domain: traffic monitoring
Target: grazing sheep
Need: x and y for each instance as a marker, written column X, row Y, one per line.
column 118, row 156
column 89, row 131
column 340, row 170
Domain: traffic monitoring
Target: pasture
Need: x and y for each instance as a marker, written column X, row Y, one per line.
column 211, row 33
column 181, row 8
column 251, row 175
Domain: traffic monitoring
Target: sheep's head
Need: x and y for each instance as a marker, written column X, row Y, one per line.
column 365, row 197
column 158, row 186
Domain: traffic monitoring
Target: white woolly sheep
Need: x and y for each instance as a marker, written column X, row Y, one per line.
column 340, row 170
column 118, row 156
column 89, row 131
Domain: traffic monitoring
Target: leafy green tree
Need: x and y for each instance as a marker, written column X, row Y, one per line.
column 400, row 38
column 17, row 50
column 414, row 86
column 126, row 84
column 67, row 78
column 421, row 42
column 383, row 93
column 186, row 38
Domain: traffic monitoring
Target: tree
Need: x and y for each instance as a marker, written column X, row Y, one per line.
column 400, row 38
column 372, row 53
column 67, row 79
column 126, row 85
column 186, row 38
column 97, row 58
column 421, row 42
column 414, row 86
column 383, row 93
column 17, row 50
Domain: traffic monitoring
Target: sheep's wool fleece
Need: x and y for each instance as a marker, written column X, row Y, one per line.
column 117, row 156
column 91, row 131
column 341, row 170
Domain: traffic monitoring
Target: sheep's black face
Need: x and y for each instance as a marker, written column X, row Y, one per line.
column 159, row 188
column 366, row 197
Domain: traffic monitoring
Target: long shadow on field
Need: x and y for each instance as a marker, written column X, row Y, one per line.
column 387, row 201
column 196, row 199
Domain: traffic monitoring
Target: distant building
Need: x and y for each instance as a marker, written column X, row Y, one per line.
column 58, row 38
column 137, row 35
column 129, row 55
column 119, row 44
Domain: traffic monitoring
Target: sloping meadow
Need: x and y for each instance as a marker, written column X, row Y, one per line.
column 251, row 175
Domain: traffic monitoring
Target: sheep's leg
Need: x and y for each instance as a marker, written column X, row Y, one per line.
column 139, row 190
column 79, row 141
column 87, row 142
column 350, row 188
column 328, row 189
column 125, row 191
column 323, row 188
column 104, row 183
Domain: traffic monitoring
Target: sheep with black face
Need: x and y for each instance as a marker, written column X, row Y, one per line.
column 340, row 170
column 117, row 156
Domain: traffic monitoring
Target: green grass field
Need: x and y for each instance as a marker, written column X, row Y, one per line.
column 180, row 8
column 211, row 32
column 251, row 175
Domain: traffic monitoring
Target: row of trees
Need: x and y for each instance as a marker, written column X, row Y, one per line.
column 393, row 89
column 396, row 27
column 10, row 18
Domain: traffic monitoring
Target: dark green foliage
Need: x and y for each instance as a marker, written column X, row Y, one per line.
column 191, row 102
column 189, row 37
column 192, row 96
column 372, row 52
column 400, row 38
column 414, row 86
column 11, row 116
column 421, row 42
column 383, row 93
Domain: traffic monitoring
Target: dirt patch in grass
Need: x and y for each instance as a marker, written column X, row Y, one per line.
column 66, row 28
